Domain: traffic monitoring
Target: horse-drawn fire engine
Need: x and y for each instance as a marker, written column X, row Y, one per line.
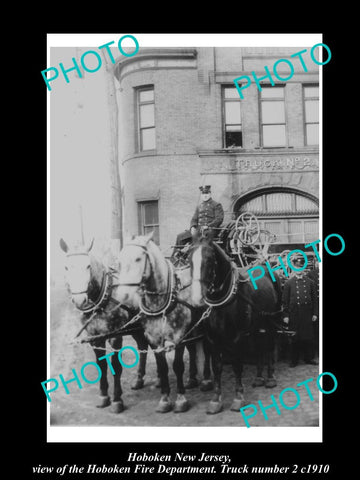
column 245, row 242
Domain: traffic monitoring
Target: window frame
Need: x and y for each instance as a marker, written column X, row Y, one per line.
column 224, row 124
column 140, row 129
column 262, row 124
column 141, row 217
column 287, row 236
column 293, row 203
column 305, row 99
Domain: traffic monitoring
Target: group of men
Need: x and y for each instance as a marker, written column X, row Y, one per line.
column 300, row 295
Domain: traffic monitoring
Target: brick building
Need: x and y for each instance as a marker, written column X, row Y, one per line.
column 183, row 124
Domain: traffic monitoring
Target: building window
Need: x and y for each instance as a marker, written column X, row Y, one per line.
column 146, row 118
column 311, row 105
column 273, row 124
column 149, row 219
column 232, row 118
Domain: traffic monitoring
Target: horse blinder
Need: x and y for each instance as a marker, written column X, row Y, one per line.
column 142, row 283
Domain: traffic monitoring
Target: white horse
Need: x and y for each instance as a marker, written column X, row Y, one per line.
column 94, row 292
column 150, row 282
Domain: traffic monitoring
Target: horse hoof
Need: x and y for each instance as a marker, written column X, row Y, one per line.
column 270, row 383
column 237, row 404
column 117, row 407
column 191, row 383
column 181, row 405
column 206, row 385
column 138, row 384
column 258, row 382
column 164, row 406
column 104, row 401
column 158, row 383
column 214, row 407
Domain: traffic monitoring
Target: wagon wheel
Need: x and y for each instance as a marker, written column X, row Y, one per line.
column 283, row 256
column 267, row 239
column 248, row 227
column 244, row 258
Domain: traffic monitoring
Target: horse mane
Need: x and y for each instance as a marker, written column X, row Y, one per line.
column 223, row 269
column 97, row 269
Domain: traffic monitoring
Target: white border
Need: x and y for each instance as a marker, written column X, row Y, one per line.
column 239, row 434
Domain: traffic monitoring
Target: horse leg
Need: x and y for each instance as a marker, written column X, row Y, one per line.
column 104, row 399
column 181, row 404
column 270, row 344
column 142, row 346
column 215, row 404
column 206, row 383
column 117, row 405
column 192, row 381
column 239, row 400
column 259, row 381
column 164, row 405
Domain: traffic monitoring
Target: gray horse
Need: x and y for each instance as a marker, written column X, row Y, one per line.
column 94, row 293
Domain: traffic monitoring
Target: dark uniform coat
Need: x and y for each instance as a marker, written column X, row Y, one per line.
column 314, row 276
column 209, row 213
column 300, row 304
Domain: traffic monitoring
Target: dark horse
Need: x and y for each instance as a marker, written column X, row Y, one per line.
column 94, row 293
column 237, row 310
column 150, row 282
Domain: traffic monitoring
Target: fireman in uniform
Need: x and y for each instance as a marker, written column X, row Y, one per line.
column 314, row 277
column 300, row 310
column 207, row 214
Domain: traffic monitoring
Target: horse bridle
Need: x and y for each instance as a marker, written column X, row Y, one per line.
column 106, row 286
column 77, row 255
column 170, row 300
column 143, row 279
column 211, row 286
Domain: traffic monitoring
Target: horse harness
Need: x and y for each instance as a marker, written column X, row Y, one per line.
column 233, row 292
column 99, row 305
column 171, row 301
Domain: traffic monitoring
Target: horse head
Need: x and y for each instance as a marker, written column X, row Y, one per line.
column 211, row 272
column 203, row 270
column 79, row 272
column 135, row 263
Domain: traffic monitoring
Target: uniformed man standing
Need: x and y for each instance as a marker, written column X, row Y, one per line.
column 207, row 214
column 314, row 277
column 300, row 310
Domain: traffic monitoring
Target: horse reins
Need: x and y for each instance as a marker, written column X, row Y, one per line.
column 170, row 303
column 230, row 295
column 233, row 291
column 105, row 291
column 142, row 284
column 171, row 300
column 104, row 297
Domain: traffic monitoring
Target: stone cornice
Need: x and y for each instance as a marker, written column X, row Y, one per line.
column 155, row 54
column 258, row 152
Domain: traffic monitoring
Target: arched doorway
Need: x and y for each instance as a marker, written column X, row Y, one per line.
column 290, row 214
